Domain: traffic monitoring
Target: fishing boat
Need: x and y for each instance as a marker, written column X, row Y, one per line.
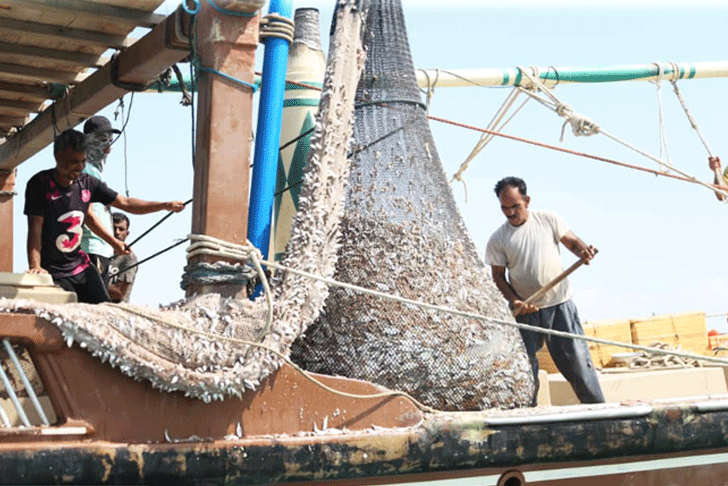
column 418, row 378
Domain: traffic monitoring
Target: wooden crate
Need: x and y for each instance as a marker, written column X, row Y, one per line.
column 685, row 330
column 618, row 330
column 717, row 341
column 601, row 354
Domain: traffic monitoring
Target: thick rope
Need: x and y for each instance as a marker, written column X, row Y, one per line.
column 481, row 317
column 204, row 245
column 277, row 26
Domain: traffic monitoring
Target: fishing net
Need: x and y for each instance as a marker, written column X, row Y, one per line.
column 402, row 234
column 395, row 229
column 210, row 347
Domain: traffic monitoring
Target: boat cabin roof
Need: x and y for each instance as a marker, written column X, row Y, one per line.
column 55, row 60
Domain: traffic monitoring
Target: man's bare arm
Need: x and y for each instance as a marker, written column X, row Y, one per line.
column 35, row 232
column 714, row 164
column 578, row 247
column 95, row 225
column 140, row 206
column 514, row 300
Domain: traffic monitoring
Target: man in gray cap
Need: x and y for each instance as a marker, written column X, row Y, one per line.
column 99, row 137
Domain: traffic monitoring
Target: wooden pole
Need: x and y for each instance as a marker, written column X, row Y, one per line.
column 7, row 186
column 540, row 292
column 227, row 44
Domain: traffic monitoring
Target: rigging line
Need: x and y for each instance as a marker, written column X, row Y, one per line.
column 294, row 140
column 692, row 121
column 155, row 225
column 485, row 138
column 565, row 150
column 581, row 125
column 173, row 245
column 244, row 250
column 480, row 317
column 661, row 119
column 126, row 122
column 120, row 111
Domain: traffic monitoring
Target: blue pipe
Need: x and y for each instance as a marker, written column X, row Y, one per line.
column 268, row 134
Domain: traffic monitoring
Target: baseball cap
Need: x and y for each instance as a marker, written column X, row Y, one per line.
column 98, row 124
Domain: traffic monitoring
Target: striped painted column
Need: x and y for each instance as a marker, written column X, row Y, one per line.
column 306, row 65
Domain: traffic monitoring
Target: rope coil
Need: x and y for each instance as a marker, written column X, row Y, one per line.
column 224, row 272
column 276, row 26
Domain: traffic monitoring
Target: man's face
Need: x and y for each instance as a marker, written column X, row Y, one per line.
column 120, row 230
column 514, row 205
column 70, row 164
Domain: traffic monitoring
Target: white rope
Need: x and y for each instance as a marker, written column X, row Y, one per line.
column 691, row 119
column 496, row 124
column 430, row 91
column 481, row 317
column 661, row 120
column 209, row 246
column 581, row 125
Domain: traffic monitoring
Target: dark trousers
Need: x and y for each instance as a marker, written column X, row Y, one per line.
column 102, row 265
column 88, row 286
column 571, row 356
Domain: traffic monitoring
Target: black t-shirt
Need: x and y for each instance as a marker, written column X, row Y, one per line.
column 64, row 211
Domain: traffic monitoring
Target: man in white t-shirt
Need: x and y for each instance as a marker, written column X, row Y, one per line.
column 527, row 245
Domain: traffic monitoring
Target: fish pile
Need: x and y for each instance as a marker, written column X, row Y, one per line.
column 402, row 234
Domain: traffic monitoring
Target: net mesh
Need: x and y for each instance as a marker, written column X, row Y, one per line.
column 397, row 230
column 402, row 234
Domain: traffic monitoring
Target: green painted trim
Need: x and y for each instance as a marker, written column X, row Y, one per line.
column 506, row 78
column 300, row 102
column 310, row 83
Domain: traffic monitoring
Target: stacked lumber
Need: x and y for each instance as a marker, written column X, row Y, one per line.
column 601, row 354
column 687, row 331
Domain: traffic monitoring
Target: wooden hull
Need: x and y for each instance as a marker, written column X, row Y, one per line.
column 111, row 429
column 676, row 445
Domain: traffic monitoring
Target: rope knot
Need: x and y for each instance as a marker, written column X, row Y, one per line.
column 581, row 125
column 562, row 109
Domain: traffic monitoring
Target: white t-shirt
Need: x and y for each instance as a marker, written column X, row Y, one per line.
column 532, row 256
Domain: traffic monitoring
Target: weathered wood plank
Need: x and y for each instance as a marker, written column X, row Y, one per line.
column 30, row 73
column 22, row 91
column 86, row 10
column 25, row 54
column 141, row 62
column 42, row 34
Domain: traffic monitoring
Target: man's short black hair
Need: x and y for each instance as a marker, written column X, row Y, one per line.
column 511, row 181
column 70, row 138
column 119, row 217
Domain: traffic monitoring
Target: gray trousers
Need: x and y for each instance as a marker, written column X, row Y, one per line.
column 571, row 356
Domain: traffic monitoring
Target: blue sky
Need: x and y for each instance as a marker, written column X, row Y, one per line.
column 662, row 242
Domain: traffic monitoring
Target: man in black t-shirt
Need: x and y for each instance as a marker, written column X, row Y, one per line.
column 57, row 202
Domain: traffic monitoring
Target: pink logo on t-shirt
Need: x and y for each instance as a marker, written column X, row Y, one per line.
column 85, row 195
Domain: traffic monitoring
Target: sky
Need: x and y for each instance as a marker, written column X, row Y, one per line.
column 662, row 242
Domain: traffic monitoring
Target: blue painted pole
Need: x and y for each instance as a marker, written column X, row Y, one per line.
column 268, row 134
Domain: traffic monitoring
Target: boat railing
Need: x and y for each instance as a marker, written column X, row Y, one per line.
column 15, row 368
